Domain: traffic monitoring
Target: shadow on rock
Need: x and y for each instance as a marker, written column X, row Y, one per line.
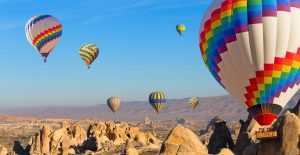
column 221, row 138
column 18, row 148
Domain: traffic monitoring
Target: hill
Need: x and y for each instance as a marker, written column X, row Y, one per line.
column 224, row 106
column 13, row 118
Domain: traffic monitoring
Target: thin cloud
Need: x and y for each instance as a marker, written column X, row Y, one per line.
column 150, row 5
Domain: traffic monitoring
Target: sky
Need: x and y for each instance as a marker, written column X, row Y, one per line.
column 140, row 52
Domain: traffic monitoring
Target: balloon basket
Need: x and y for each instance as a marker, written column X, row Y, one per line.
column 266, row 133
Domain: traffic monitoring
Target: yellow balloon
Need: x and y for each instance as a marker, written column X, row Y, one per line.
column 180, row 28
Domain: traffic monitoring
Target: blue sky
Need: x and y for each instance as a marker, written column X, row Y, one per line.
column 140, row 52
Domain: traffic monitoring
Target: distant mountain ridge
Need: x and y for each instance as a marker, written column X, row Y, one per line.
column 223, row 106
column 13, row 118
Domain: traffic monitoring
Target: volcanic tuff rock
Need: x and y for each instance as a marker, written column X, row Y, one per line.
column 251, row 149
column 147, row 121
column 100, row 137
column 130, row 150
column 226, row 151
column 211, row 125
column 182, row 141
column 296, row 109
column 3, row 150
column 221, row 138
column 246, row 135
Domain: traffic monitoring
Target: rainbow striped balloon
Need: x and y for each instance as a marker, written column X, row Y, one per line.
column 251, row 47
column 157, row 100
column 43, row 32
column 89, row 52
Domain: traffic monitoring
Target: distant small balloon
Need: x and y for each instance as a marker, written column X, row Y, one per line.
column 157, row 100
column 89, row 52
column 114, row 103
column 43, row 32
column 180, row 28
column 193, row 102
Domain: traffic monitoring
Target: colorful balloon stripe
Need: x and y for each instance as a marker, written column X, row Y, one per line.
column 89, row 52
column 194, row 102
column 254, row 11
column 275, row 79
column 295, row 3
column 47, row 36
column 43, row 32
column 39, row 18
column 269, row 8
column 46, row 33
column 240, row 16
column 157, row 100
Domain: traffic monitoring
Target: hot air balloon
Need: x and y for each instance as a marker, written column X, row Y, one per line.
column 157, row 100
column 113, row 103
column 194, row 102
column 251, row 47
column 43, row 32
column 88, row 52
column 180, row 28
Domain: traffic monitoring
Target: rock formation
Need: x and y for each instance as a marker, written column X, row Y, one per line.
column 147, row 121
column 45, row 147
column 251, row 149
column 18, row 148
column 100, row 137
column 211, row 126
column 221, row 138
column 296, row 109
column 3, row 150
column 246, row 135
column 130, row 150
column 226, row 151
column 77, row 135
column 182, row 141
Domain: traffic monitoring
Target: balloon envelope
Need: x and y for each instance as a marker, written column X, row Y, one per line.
column 157, row 100
column 180, row 28
column 114, row 103
column 89, row 52
column 43, row 32
column 193, row 102
column 251, row 47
